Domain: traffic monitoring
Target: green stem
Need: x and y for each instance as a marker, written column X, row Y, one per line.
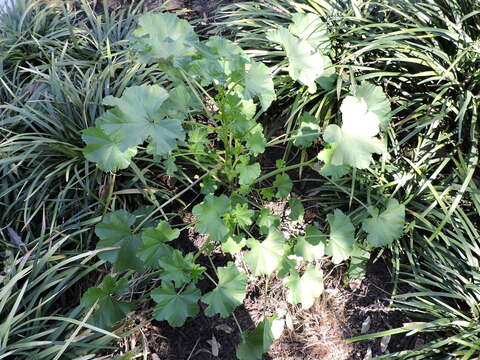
column 279, row 171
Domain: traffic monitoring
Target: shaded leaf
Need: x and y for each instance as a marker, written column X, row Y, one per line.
column 283, row 184
column 209, row 214
column 180, row 269
column 115, row 231
column 307, row 132
column 258, row 341
column 175, row 307
column 154, row 240
column 109, row 310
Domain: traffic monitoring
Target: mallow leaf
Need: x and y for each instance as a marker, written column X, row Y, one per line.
column 351, row 149
column 342, row 237
column 328, row 169
column 138, row 115
column 221, row 61
column 105, row 151
column 258, row 341
column 306, row 64
column 267, row 222
column 242, row 215
column 385, row 227
column 234, row 244
column 180, row 269
column 306, row 288
column 367, row 110
column 256, row 141
column 265, row 257
column 166, row 37
column 154, row 247
column 363, row 115
column 248, row 173
column 115, row 231
column 110, row 310
column 210, row 214
column 259, row 82
column 284, row 185
column 237, row 114
column 229, row 292
column 307, row 132
column 175, row 306
column 311, row 246
column 311, row 28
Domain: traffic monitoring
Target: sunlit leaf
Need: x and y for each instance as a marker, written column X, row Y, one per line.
column 342, row 237
column 306, row 288
column 164, row 36
column 265, row 257
column 229, row 292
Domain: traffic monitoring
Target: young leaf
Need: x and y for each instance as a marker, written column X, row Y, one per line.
column 237, row 114
column 265, row 257
column 175, row 307
column 114, row 231
column 387, row 226
column 242, row 215
column 311, row 246
column 248, row 173
column 304, row 289
column 228, row 294
column 234, row 244
column 164, row 37
column 342, row 238
column 267, row 222
column 258, row 81
column 154, row 240
column 109, row 309
column 180, row 269
column 209, row 214
column 105, row 151
column 308, row 131
column 257, row 342
column 138, row 116
column 283, row 184
column 296, row 209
